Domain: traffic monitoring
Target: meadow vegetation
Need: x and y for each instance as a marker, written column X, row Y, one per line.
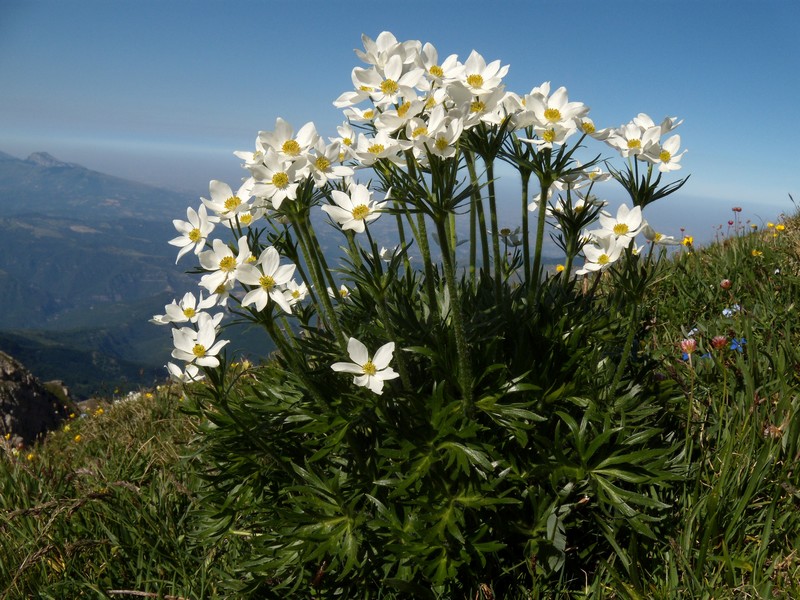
column 435, row 422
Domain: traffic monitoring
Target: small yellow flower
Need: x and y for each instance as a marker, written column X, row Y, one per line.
column 78, row 438
column 30, row 456
column 770, row 225
column 757, row 252
column 560, row 268
column 71, row 415
column 780, row 227
column 148, row 395
column 67, row 427
column 7, row 436
column 688, row 240
column 98, row 412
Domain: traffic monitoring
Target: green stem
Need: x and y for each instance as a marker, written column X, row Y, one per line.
column 545, row 181
column 319, row 282
column 425, row 250
column 478, row 208
column 402, row 233
column 526, row 250
column 495, row 232
column 462, row 348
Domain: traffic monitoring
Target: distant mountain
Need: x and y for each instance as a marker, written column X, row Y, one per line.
column 42, row 184
column 84, row 263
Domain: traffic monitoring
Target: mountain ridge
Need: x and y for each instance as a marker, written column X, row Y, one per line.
column 48, row 185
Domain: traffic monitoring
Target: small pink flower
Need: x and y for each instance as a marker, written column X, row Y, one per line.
column 725, row 284
column 719, row 341
column 688, row 346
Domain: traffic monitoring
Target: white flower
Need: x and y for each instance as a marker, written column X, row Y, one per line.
column 666, row 155
column 632, row 140
column 192, row 373
column 389, row 84
column 188, row 309
column 268, row 275
column 285, row 144
column 224, row 202
column 198, row 347
column 353, row 210
column 194, row 232
column 482, row 79
column 295, row 292
column 555, row 109
column 369, row 372
column 223, row 264
column 600, row 254
column 651, row 235
column 277, row 179
column 369, row 150
column 344, row 293
column 626, row 225
column 324, row 163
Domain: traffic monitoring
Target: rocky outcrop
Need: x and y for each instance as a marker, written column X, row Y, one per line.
column 27, row 409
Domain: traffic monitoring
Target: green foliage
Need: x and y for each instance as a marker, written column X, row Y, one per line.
column 105, row 504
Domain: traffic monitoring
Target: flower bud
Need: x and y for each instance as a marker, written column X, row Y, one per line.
column 725, row 284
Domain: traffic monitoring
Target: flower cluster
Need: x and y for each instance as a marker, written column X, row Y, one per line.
column 409, row 112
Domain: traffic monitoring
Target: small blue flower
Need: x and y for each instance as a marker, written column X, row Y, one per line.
column 738, row 344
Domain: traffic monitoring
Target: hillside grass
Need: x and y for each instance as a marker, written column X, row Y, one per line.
column 111, row 505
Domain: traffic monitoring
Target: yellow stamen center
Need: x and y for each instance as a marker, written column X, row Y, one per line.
column 199, row 350
column 365, row 88
column 266, row 282
column 360, row 212
column 588, row 127
column 195, row 235
column 477, row 106
column 232, row 202
column 552, row 114
column 475, row 80
column 369, row 368
column 246, row 219
column 347, row 141
column 634, row 144
column 549, row 136
column 403, row 109
column 368, row 114
column 430, row 102
column 295, row 294
column 376, row 149
column 322, row 163
column 441, row 143
column 291, row 147
column 664, row 156
column 389, row 87
column 189, row 313
column 436, row 71
column 280, row 180
column 227, row 264
column 603, row 259
column 621, row 229
column 422, row 130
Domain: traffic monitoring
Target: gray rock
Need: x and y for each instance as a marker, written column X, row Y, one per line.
column 27, row 409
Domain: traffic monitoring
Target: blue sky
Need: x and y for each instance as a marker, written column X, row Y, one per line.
column 164, row 91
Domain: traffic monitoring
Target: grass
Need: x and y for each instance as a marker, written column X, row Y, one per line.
column 111, row 505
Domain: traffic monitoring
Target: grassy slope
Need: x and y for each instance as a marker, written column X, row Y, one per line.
column 114, row 512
